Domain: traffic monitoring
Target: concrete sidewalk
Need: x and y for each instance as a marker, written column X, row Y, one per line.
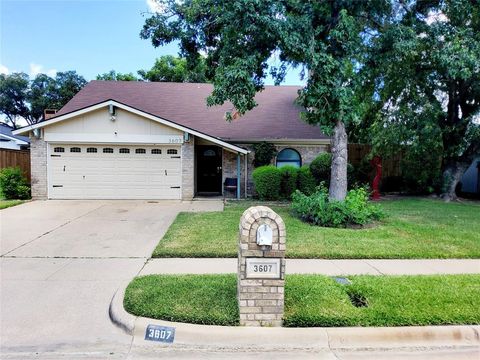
column 318, row 266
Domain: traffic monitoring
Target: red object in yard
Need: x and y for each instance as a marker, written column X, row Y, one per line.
column 377, row 164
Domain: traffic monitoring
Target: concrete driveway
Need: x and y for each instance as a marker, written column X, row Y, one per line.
column 62, row 261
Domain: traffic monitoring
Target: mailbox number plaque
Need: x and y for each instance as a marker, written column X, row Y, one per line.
column 263, row 268
column 160, row 333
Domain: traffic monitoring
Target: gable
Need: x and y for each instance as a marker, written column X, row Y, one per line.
column 99, row 126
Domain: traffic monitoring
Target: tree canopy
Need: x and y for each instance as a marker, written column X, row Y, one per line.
column 22, row 98
column 426, row 75
column 112, row 75
column 169, row 68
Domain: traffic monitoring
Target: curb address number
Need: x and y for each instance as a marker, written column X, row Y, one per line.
column 160, row 333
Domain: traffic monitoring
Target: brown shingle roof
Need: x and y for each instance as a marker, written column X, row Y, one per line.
column 275, row 117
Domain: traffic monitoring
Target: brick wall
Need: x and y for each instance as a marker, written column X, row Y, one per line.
column 38, row 160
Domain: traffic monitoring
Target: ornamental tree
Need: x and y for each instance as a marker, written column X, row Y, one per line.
column 328, row 39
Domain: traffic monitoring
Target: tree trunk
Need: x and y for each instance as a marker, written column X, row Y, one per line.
column 338, row 177
column 452, row 173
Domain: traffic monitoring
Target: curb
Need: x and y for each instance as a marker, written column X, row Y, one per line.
column 342, row 338
column 117, row 313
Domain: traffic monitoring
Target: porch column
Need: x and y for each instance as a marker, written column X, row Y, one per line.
column 238, row 176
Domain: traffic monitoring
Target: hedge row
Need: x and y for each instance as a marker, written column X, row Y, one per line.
column 272, row 183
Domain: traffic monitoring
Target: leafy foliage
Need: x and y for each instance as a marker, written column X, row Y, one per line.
column 264, row 153
column 23, row 98
column 112, row 75
column 306, row 183
column 321, row 167
column 288, row 182
column 319, row 210
column 170, row 68
column 267, row 180
column 425, row 86
column 13, row 184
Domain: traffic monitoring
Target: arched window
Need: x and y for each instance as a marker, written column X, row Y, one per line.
column 75, row 149
column 140, row 151
column 124, row 151
column 107, row 150
column 59, row 149
column 172, row 151
column 91, row 150
column 289, row 157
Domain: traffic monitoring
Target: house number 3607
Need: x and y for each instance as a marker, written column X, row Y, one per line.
column 262, row 268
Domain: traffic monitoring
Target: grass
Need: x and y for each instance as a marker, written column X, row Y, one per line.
column 314, row 300
column 413, row 228
column 9, row 203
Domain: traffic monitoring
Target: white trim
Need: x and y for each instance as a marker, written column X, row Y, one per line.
column 114, row 139
column 18, row 141
column 305, row 142
column 57, row 119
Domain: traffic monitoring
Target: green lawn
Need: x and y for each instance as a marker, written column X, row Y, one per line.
column 314, row 300
column 413, row 228
column 8, row 203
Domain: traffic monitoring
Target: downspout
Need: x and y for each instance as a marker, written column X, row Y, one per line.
column 238, row 176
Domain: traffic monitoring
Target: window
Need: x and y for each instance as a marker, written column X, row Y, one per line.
column 140, row 151
column 124, row 151
column 172, row 152
column 75, row 149
column 156, row 151
column 107, row 150
column 289, row 157
column 59, row 149
column 91, row 150
column 209, row 153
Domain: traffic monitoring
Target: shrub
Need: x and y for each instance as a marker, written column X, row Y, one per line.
column 264, row 153
column 13, row 184
column 305, row 181
column 288, row 181
column 267, row 181
column 317, row 209
column 320, row 168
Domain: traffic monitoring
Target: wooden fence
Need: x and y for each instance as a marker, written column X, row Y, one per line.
column 14, row 158
column 391, row 166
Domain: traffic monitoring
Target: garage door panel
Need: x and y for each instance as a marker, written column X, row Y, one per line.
column 99, row 175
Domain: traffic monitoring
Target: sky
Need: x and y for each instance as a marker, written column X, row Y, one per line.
column 89, row 36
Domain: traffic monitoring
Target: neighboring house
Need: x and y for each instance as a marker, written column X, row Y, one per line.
column 10, row 141
column 141, row 140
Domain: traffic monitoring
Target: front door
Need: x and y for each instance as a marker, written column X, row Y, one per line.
column 209, row 169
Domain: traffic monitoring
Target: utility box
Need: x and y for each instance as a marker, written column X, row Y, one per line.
column 261, row 267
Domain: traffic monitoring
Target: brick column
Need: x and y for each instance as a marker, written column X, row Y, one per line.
column 188, row 169
column 38, row 161
column 261, row 269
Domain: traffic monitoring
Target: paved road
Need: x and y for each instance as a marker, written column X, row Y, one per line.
column 62, row 261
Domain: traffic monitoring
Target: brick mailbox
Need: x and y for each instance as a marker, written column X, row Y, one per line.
column 261, row 267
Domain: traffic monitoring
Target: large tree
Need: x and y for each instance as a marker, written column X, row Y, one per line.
column 112, row 75
column 427, row 85
column 25, row 99
column 239, row 37
column 170, row 68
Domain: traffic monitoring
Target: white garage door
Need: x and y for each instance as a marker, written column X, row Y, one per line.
column 114, row 172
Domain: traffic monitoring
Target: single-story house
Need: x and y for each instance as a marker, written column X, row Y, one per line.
column 150, row 140
column 11, row 141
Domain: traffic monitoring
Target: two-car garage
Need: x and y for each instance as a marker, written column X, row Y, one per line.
column 103, row 171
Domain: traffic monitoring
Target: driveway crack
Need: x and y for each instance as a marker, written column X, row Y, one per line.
column 50, row 231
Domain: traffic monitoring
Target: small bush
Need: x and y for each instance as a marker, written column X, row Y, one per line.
column 288, row 181
column 321, row 166
column 305, row 181
column 317, row 209
column 13, row 184
column 267, row 180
